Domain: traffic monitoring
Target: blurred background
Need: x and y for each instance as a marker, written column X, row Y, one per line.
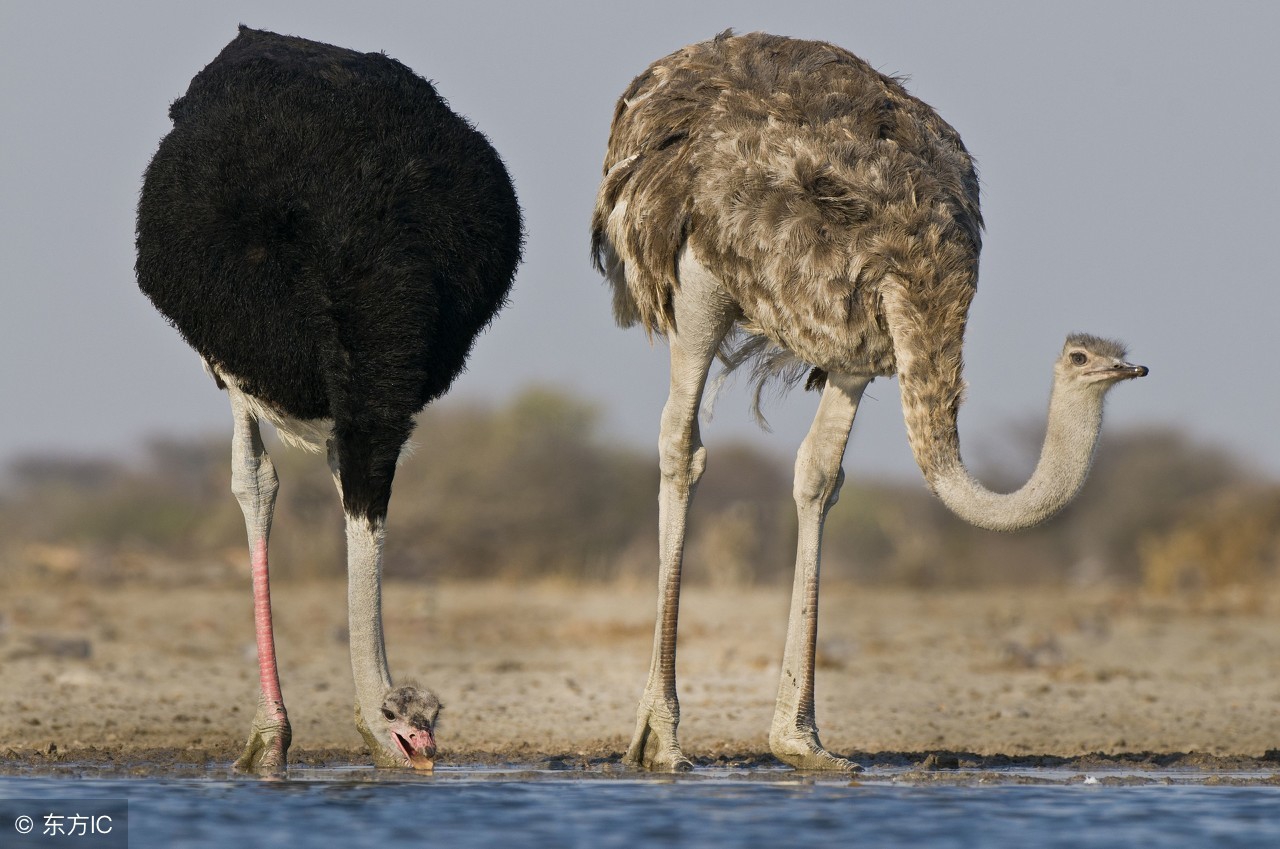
column 532, row 489
column 1129, row 180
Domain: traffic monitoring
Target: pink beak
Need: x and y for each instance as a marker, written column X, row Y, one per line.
column 417, row 745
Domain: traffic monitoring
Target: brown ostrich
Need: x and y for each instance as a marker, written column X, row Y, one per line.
column 781, row 204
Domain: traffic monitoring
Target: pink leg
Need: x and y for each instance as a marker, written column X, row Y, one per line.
column 268, row 675
column 253, row 480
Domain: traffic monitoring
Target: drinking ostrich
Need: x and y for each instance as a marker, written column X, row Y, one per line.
column 780, row 203
column 330, row 238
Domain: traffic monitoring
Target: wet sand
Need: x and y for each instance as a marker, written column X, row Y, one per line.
column 550, row 674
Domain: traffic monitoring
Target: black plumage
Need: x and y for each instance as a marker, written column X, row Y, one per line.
column 322, row 229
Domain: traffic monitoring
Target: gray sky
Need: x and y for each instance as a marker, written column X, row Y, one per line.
column 1128, row 153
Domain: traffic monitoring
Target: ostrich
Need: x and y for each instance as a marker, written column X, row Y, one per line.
column 330, row 238
column 779, row 203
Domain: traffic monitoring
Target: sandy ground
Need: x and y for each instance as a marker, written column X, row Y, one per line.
column 530, row 672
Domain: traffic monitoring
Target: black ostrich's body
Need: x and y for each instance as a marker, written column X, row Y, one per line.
column 322, row 227
column 330, row 238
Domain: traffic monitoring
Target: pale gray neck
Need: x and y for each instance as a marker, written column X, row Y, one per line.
column 364, row 615
column 1075, row 419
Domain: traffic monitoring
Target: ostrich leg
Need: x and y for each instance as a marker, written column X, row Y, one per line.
column 254, row 483
column 793, row 737
column 703, row 316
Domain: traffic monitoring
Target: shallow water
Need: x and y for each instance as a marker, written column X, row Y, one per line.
column 462, row 807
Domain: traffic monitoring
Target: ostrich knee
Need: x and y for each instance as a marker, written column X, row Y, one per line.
column 682, row 465
column 254, row 484
column 817, row 484
column 682, row 458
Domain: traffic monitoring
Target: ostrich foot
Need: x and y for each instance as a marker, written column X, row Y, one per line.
column 266, row 752
column 654, row 746
column 802, row 750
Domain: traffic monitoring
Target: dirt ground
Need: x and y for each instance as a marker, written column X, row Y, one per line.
column 537, row 671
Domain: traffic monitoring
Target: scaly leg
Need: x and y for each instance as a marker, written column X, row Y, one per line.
column 793, row 737
column 254, row 483
column 703, row 316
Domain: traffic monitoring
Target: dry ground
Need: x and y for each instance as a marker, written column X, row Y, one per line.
column 527, row 671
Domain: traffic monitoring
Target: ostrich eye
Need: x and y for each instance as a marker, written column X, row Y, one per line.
column 388, row 714
column 1078, row 358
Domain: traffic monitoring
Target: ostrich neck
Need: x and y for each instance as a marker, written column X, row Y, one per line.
column 1075, row 419
column 364, row 614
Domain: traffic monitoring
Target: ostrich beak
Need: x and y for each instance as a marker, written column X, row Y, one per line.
column 1122, row 371
column 417, row 745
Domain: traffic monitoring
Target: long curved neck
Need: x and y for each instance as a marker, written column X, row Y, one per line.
column 364, row 613
column 1075, row 419
column 928, row 331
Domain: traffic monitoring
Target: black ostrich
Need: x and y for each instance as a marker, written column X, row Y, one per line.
column 330, row 238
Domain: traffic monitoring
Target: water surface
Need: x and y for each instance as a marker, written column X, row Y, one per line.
column 465, row 807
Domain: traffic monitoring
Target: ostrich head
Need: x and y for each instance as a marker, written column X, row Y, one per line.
column 1093, row 365
column 407, row 719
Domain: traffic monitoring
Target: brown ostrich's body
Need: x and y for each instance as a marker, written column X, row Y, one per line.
column 780, row 203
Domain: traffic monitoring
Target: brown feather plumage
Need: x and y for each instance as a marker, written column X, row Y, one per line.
column 839, row 211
